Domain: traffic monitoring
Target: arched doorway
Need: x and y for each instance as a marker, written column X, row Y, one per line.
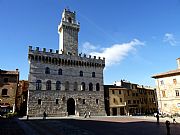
column 71, row 106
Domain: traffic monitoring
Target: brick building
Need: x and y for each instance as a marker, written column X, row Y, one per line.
column 64, row 82
column 125, row 98
column 8, row 88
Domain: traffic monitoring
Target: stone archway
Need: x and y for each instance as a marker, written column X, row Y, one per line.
column 71, row 106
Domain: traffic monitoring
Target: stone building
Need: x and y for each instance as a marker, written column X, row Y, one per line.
column 64, row 82
column 8, row 88
column 168, row 91
column 125, row 98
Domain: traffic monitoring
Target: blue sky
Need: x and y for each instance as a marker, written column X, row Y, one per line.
column 139, row 38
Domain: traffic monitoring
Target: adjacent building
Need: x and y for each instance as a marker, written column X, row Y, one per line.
column 125, row 98
column 168, row 91
column 21, row 97
column 64, row 82
column 8, row 88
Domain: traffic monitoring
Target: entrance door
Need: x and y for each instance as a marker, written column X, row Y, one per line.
column 71, row 106
column 114, row 111
column 122, row 111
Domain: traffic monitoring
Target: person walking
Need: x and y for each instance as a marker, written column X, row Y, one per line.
column 85, row 115
column 44, row 115
column 157, row 116
column 89, row 114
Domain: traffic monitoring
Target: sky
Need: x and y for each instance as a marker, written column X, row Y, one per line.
column 138, row 38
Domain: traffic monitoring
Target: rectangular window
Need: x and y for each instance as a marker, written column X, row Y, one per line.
column 175, row 81
column 97, row 101
column 114, row 100
column 57, row 101
column 162, row 82
column 84, row 101
column 39, row 101
column 121, row 100
column 129, row 101
column 177, row 93
column 119, row 91
column 112, row 91
column 163, row 93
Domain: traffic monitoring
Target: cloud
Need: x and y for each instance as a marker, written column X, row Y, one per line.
column 169, row 38
column 117, row 52
column 88, row 47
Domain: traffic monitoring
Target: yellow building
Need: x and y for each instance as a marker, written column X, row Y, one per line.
column 129, row 99
column 168, row 89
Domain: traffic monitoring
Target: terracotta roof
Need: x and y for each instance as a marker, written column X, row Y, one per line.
column 169, row 73
column 16, row 72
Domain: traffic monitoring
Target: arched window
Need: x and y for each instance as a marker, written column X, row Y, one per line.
column 90, row 87
column 93, row 74
column 83, row 86
column 58, row 85
column 48, row 85
column 81, row 73
column 47, row 70
column 60, row 71
column 67, row 85
column 4, row 92
column 75, row 86
column 97, row 87
column 69, row 20
column 38, row 85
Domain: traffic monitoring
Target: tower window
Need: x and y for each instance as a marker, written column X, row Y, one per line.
column 83, row 86
column 58, row 85
column 57, row 101
column 81, row 73
column 93, row 74
column 69, row 20
column 60, row 71
column 47, row 70
column 39, row 101
column 38, row 85
column 84, row 101
column 97, row 87
column 97, row 101
column 48, row 85
column 90, row 87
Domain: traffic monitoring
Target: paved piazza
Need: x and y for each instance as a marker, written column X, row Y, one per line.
column 89, row 126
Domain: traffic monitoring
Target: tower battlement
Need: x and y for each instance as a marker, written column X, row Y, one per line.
column 53, row 57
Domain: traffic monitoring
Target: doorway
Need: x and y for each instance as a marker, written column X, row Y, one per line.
column 114, row 111
column 71, row 106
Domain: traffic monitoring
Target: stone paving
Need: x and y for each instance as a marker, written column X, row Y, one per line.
column 139, row 125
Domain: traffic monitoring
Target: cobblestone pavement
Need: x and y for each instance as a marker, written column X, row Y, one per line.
column 88, row 126
column 10, row 127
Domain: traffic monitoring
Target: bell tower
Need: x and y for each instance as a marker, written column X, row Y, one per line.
column 68, row 33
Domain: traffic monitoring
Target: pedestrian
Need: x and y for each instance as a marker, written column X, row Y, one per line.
column 157, row 116
column 167, row 127
column 44, row 115
column 85, row 115
column 89, row 114
column 174, row 120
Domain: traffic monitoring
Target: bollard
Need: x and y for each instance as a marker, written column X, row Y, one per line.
column 167, row 127
column 27, row 117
